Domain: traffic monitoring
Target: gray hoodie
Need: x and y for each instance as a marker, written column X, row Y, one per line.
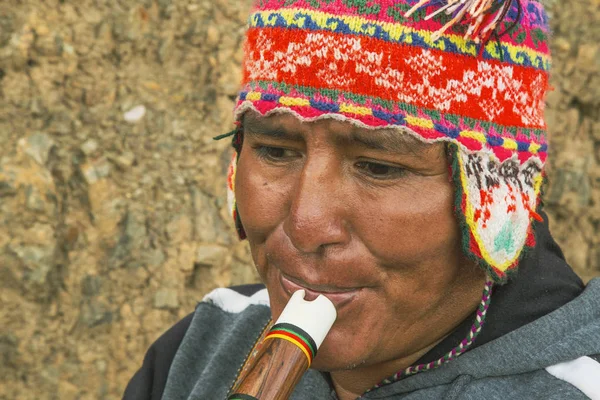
column 530, row 362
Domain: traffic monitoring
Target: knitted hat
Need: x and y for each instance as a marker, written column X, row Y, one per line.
column 472, row 73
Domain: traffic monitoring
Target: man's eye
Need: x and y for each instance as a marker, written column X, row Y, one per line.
column 380, row 171
column 274, row 153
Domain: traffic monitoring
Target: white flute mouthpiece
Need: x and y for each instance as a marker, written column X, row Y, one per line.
column 314, row 317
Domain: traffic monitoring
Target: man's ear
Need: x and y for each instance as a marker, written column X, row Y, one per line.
column 238, row 140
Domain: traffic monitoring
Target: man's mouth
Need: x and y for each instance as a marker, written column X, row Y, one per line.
column 339, row 296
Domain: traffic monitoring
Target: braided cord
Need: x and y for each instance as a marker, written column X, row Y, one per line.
column 464, row 345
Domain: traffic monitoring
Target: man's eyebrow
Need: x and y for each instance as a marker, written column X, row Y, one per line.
column 388, row 140
column 255, row 126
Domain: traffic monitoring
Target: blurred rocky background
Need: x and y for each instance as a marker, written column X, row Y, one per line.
column 113, row 221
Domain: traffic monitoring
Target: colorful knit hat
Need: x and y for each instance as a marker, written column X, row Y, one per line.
column 472, row 73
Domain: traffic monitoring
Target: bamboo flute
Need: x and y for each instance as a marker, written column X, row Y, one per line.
column 286, row 351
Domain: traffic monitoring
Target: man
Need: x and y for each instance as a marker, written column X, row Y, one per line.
column 390, row 156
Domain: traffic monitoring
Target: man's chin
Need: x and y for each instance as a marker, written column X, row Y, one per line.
column 328, row 365
column 329, row 359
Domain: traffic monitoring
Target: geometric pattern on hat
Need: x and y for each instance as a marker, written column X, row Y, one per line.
column 363, row 62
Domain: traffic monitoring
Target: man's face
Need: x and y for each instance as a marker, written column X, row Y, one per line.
column 364, row 216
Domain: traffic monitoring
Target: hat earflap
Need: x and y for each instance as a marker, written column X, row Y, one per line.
column 237, row 141
column 495, row 203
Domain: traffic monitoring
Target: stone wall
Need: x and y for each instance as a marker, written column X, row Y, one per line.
column 113, row 221
column 573, row 196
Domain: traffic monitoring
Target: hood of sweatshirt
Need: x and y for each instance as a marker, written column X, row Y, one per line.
column 565, row 334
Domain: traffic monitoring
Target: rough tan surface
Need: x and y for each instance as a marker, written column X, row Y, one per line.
column 110, row 231
column 573, row 197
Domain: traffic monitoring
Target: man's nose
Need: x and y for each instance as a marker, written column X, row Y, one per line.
column 316, row 217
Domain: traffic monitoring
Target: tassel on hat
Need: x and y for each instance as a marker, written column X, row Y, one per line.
column 483, row 16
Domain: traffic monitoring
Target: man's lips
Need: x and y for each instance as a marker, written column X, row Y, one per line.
column 338, row 296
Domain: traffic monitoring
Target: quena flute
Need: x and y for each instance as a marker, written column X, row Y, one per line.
column 286, row 351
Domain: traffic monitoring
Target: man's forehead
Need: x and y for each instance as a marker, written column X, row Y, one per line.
column 289, row 126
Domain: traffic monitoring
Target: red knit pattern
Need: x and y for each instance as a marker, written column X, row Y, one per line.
column 450, row 92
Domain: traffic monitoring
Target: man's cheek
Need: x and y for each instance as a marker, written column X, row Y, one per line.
column 246, row 195
column 261, row 205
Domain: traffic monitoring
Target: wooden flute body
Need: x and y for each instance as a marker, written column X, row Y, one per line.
column 286, row 351
column 274, row 373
